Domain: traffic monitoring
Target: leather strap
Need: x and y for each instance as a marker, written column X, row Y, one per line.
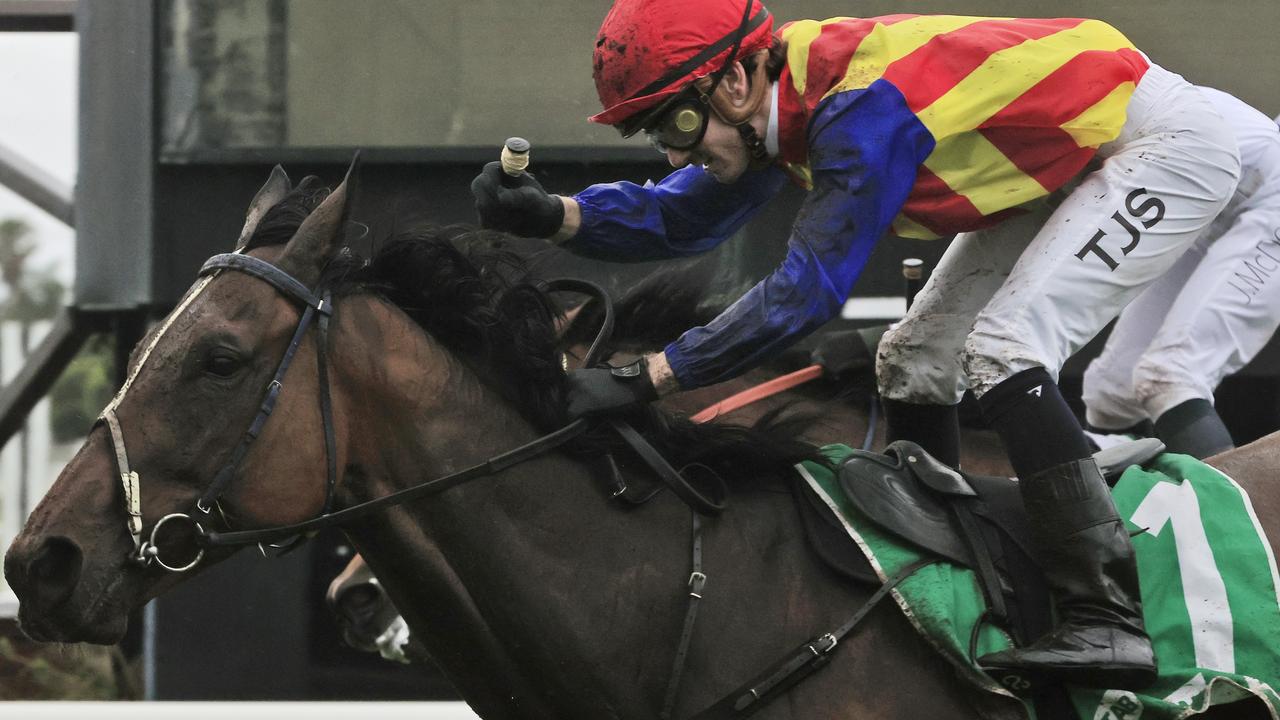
column 268, row 405
column 697, row 581
column 326, row 406
column 988, row 577
column 803, row 661
column 686, row 492
column 263, row 270
column 491, row 466
column 128, row 478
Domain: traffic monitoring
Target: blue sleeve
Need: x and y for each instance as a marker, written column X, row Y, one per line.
column 687, row 213
column 864, row 150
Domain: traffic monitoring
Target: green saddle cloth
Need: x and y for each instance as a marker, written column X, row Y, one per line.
column 1209, row 591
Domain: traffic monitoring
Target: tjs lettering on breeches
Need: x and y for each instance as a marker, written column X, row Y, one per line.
column 1139, row 212
column 1205, row 318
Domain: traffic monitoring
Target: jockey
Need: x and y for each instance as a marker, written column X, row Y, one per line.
column 1206, row 318
column 922, row 126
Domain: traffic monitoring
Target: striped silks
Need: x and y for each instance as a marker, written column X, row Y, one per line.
column 1016, row 107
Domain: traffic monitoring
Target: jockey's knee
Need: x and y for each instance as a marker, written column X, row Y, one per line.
column 1109, row 399
column 988, row 361
column 911, row 372
column 892, row 359
column 1159, row 387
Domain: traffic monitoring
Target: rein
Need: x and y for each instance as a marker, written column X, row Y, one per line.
column 299, row 531
column 319, row 305
column 318, row 309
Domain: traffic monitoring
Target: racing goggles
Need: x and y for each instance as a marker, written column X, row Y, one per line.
column 682, row 124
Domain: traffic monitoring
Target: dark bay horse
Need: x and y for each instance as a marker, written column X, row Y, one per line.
column 537, row 595
column 435, row 364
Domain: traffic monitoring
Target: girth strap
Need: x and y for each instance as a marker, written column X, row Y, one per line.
column 803, row 661
column 697, row 581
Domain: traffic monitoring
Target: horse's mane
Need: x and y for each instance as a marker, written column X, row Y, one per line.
column 468, row 290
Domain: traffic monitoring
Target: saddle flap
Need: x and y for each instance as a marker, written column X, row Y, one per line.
column 932, row 472
column 892, row 497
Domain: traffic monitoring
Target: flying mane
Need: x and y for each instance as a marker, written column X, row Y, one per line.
column 464, row 287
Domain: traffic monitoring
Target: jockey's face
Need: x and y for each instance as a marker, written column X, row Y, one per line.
column 721, row 152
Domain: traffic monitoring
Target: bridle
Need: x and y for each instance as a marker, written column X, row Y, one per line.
column 315, row 305
column 318, row 309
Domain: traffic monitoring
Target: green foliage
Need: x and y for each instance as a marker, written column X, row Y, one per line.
column 83, row 390
column 41, row 299
column 31, row 295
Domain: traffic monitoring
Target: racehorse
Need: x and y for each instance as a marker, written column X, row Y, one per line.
column 432, row 365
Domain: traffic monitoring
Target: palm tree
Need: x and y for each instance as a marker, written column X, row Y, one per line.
column 15, row 247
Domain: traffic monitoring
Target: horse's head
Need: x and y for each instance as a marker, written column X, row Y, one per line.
column 175, row 439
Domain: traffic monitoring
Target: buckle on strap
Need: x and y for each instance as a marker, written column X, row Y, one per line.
column 823, row 645
column 697, row 581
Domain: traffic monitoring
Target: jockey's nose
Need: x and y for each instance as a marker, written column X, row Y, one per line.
column 46, row 577
column 678, row 158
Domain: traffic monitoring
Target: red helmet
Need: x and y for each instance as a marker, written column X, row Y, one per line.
column 649, row 49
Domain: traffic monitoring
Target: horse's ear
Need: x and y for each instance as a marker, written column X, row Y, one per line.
column 275, row 190
column 320, row 236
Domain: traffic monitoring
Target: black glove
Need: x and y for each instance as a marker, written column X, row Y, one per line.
column 598, row 390
column 523, row 208
column 847, row 351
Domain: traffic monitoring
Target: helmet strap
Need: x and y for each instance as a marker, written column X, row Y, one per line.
column 755, row 145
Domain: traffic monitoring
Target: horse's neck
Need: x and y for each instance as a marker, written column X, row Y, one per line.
column 520, row 555
column 557, row 592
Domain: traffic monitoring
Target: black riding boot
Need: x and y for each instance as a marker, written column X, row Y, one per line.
column 1087, row 558
column 936, row 428
column 1194, row 428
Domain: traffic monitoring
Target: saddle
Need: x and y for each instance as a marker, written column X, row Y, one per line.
column 973, row 521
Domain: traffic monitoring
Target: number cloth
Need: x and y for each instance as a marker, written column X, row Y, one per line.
column 1209, row 591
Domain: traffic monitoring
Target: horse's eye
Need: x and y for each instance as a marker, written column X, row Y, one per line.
column 221, row 363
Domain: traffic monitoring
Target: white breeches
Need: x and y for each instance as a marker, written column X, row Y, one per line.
column 1034, row 289
column 1213, row 311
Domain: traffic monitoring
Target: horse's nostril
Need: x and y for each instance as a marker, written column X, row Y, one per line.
column 360, row 597
column 54, row 571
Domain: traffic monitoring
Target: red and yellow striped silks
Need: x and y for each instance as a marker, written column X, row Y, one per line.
column 1016, row 107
